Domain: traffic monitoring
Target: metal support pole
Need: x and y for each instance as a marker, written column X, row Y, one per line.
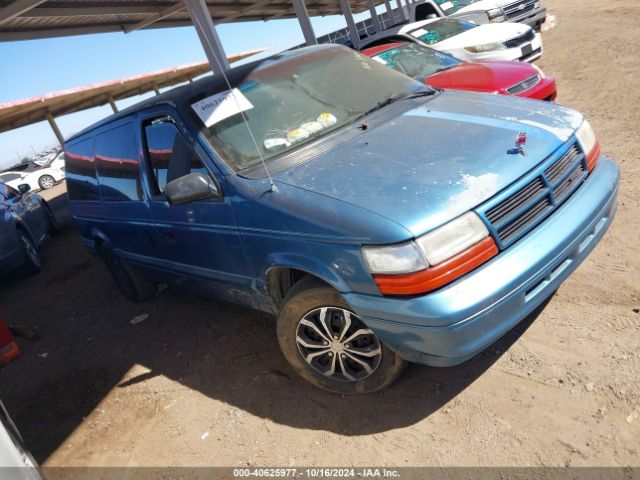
column 201, row 18
column 404, row 14
column 156, row 89
column 348, row 16
column 112, row 102
column 390, row 12
column 54, row 127
column 374, row 15
column 305, row 23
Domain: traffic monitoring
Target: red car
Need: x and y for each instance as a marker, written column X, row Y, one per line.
column 444, row 71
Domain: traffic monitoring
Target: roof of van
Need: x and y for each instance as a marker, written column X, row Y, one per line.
column 216, row 83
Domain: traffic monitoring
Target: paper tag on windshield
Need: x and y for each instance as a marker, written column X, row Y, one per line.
column 419, row 32
column 380, row 60
column 216, row 108
column 446, row 5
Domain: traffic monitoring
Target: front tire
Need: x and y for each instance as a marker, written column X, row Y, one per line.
column 132, row 285
column 46, row 181
column 329, row 346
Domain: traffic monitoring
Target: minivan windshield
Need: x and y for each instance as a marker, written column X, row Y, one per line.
column 416, row 61
column 441, row 30
column 294, row 99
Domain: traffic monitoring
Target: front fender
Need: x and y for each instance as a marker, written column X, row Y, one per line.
column 321, row 270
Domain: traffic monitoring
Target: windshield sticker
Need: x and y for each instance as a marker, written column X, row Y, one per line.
column 312, row 127
column 276, row 143
column 327, row 120
column 447, row 5
column 297, row 135
column 380, row 60
column 419, row 32
column 220, row 106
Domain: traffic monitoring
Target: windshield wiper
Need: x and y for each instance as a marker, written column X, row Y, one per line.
column 395, row 98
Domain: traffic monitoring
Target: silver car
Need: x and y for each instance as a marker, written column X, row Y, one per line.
column 25, row 221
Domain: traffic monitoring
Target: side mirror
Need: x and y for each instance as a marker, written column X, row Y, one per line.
column 191, row 188
column 24, row 188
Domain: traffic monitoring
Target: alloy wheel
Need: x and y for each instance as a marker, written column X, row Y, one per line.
column 337, row 344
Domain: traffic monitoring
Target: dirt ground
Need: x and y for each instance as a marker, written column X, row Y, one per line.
column 203, row 384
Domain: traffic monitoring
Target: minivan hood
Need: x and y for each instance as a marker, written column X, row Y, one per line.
column 436, row 161
column 484, row 34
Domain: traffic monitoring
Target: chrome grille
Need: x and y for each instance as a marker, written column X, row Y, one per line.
column 528, row 206
column 521, row 40
column 517, row 9
column 524, row 85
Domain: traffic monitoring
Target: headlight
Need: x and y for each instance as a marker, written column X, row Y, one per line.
column 452, row 238
column 487, row 47
column 496, row 15
column 536, row 5
column 432, row 260
column 589, row 143
column 392, row 259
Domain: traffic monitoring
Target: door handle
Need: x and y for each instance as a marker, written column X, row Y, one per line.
column 168, row 235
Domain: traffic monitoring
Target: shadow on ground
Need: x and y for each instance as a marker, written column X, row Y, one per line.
column 225, row 352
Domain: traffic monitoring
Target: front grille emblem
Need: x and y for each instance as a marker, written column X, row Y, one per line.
column 521, row 141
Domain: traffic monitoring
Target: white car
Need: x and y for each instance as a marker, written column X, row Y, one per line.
column 37, row 180
column 15, row 461
column 468, row 41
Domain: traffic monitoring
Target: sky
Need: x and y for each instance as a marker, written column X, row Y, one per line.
column 36, row 67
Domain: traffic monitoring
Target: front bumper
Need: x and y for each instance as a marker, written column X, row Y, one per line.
column 456, row 322
column 533, row 19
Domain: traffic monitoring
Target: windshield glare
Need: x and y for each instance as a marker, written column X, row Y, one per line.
column 295, row 100
column 440, row 30
column 416, row 61
column 452, row 6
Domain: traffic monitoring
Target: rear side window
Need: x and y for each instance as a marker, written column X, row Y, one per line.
column 170, row 155
column 81, row 171
column 117, row 162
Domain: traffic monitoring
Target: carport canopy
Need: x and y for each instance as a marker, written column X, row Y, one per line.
column 31, row 19
column 20, row 113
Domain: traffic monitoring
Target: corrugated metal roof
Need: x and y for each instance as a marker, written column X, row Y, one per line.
column 19, row 113
column 29, row 19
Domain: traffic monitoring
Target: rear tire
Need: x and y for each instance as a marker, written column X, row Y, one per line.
column 131, row 284
column 32, row 261
column 329, row 346
column 46, row 181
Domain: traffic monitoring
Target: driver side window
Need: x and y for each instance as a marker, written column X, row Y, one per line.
column 169, row 155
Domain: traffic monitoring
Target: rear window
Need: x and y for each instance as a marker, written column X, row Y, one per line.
column 117, row 162
column 81, row 171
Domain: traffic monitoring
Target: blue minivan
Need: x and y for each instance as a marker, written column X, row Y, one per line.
column 381, row 221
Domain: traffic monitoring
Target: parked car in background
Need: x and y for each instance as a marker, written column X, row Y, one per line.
column 54, row 160
column 25, row 221
column 15, row 460
column 467, row 41
column 381, row 220
column 445, row 71
column 529, row 12
column 39, row 179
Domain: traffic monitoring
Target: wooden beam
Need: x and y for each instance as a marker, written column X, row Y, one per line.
column 242, row 11
column 16, row 8
column 154, row 18
column 54, row 127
